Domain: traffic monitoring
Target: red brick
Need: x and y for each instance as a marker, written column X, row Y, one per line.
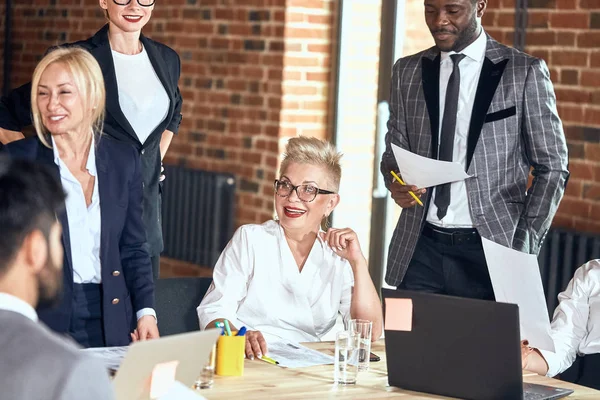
column 592, row 116
column 560, row 220
column 566, row 39
column 574, row 188
column 595, row 59
column 575, row 207
column 570, row 113
column 572, row 95
column 590, row 79
column 588, row 40
column 589, row 4
column 569, row 58
column 576, row 20
column 581, row 170
column 541, row 38
column 566, row 4
column 592, row 152
column 591, row 191
column 589, row 225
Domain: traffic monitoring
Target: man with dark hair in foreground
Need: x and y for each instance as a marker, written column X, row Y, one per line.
column 35, row 363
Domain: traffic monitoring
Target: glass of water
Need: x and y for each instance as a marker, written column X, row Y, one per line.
column 346, row 358
column 363, row 329
column 207, row 376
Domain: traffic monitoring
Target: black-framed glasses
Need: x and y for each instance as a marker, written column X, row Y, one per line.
column 143, row 3
column 306, row 192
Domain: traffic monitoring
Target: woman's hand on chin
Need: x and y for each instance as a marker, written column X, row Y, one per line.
column 256, row 345
column 344, row 243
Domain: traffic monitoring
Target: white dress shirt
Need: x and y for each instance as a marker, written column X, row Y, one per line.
column 576, row 322
column 458, row 214
column 257, row 284
column 142, row 96
column 12, row 303
column 85, row 223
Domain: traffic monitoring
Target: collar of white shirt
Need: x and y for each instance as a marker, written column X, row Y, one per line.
column 12, row 303
column 475, row 51
column 91, row 161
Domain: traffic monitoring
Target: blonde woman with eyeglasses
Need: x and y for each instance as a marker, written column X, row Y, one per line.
column 143, row 101
column 288, row 279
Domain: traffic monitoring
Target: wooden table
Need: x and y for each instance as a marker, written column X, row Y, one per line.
column 263, row 381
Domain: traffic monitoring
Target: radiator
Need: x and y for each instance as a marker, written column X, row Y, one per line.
column 561, row 254
column 198, row 211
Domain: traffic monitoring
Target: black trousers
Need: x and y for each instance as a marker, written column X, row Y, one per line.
column 87, row 326
column 449, row 267
column 155, row 267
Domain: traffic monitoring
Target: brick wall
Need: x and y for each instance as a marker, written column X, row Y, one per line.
column 566, row 33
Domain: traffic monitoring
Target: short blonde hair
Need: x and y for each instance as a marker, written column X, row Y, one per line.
column 88, row 79
column 313, row 151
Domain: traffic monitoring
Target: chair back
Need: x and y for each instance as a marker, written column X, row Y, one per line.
column 176, row 302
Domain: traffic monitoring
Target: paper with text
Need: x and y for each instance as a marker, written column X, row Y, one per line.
column 111, row 357
column 425, row 172
column 398, row 314
column 516, row 279
column 294, row 355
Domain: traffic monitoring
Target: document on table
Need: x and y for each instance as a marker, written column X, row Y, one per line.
column 425, row 172
column 294, row 355
column 110, row 356
column 516, row 279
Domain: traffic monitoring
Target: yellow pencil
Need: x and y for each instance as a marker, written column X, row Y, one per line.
column 402, row 183
column 269, row 360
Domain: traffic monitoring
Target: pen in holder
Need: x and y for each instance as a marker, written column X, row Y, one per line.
column 230, row 355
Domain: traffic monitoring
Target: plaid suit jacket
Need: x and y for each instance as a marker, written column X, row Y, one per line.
column 514, row 127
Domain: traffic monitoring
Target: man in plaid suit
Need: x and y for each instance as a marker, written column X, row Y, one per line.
column 491, row 108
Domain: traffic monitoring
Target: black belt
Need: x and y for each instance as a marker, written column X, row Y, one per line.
column 451, row 236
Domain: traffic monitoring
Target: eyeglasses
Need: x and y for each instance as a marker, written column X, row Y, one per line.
column 306, row 192
column 143, row 3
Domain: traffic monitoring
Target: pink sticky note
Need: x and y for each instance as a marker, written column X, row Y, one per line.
column 163, row 377
column 398, row 314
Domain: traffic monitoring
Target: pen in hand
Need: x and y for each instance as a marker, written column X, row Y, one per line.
column 396, row 177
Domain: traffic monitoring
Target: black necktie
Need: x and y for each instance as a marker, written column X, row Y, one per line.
column 442, row 192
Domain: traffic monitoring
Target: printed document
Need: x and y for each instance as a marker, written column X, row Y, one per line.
column 425, row 172
column 516, row 279
column 294, row 355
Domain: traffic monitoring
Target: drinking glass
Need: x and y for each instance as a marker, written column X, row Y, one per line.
column 363, row 328
column 346, row 358
column 207, row 376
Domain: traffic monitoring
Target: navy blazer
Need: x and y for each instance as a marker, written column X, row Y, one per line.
column 15, row 113
column 127, row 283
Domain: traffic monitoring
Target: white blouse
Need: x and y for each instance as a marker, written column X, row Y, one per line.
column 257, row 284
column 576, row 322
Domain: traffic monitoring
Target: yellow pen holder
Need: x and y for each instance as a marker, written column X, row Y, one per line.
column 230, row 355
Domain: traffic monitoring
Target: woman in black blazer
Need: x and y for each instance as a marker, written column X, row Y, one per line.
column 124, row 55
column 108, row 288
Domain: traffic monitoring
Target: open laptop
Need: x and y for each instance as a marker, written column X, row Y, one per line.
column 460, row 348
column 190, row 350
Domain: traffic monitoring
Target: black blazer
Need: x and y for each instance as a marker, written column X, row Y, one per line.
column 15, row 113
column 125, row 262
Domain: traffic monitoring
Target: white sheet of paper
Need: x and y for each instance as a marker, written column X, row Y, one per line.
column 178, row 391
column 516, row 279
column 425, row 172
column 110, row 356
column 294, row 355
